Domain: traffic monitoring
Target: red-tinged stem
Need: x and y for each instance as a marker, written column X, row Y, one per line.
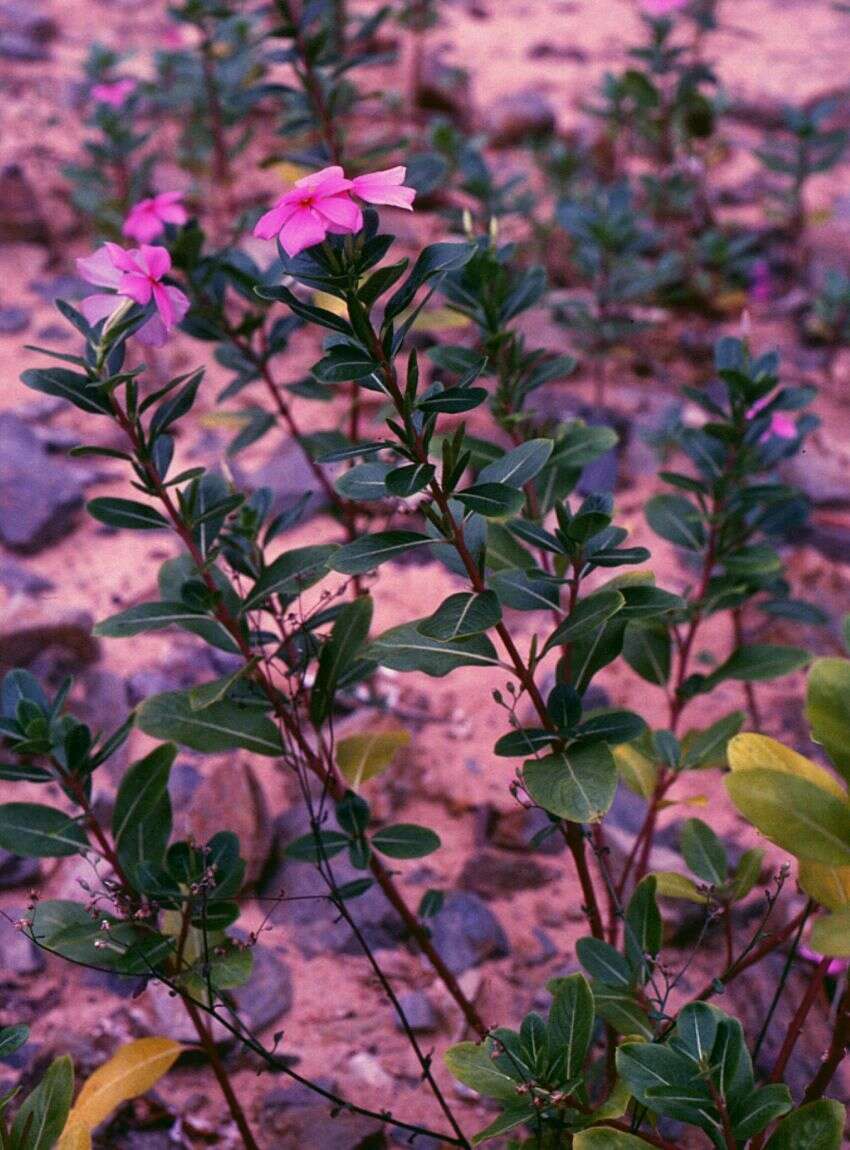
column 837, row 1050
column 796, row 1026
column 222, row 1077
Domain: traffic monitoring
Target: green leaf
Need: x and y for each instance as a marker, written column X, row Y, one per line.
column 349, row 633
column 648, row 1065
column 647, row 649
column 604, row 962
column 36, row 831
column 405, row 648
column 643, row 929
column 759, row 1109
column 676, row 519
column 214, row 691
column 371, row 551
column 141, row 820
column 831, row 934
column 127, row 513
column 453, row 400
column 670, row 884
column 570, row 1023
column 70, row 385
column 345, row 362
column 604, row 1138
column 587, row 616
column 703, row 851
column 522, row 743
column 291, row 573
column 519, row 466
column 794, row 813
column 308, row 849
column 12, row 1038
column 621, row 1010
column 435, row 260
column 44, row 1112
column 461, row 615
column 707, row 747
column 760, row 662
column 509, row 1119
column 157, row 616
column 577, row 784
column 406, row 481
column 492, row 500
column 405, row 841
column 611, row 727
column 828, row 709
column 525, row 589
column 474, row 1067
column 364, row 482
column 817, row 1126
column 222, row 726
column 747, row 874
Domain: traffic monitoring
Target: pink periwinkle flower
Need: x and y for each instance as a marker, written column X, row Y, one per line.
column 835, row 969
column 658, row 9
column 321, row 203
column 781, row 426
column 147, row 218
column 115, row 94
column 135, row 275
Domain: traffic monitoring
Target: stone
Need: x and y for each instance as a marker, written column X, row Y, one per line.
column 17, row 579
column 17, row 871
column 268, row 994
column 822, row 467
column 289, row 476
column 21, row 219
column 13, row 320
column 520, row 117
column 39, row 493
column 25, row 31
column 467, row 933
column 50, row 641
column 495, row 875
column 18, row 955
column 623, row 823
column 421, row 1015
column 296, row 1127
column 516, row 830
column 441, row 87
column 231, row 791
column 366, row 1067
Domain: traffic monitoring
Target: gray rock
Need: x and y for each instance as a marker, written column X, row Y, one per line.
column 419, row 1012
column 51, row 643
column 517, row 830
column 40, row 493
column 21, row 218
column 17, row 871
column 623, row 823
column 467, row 933
column 519, row 117
column 495, row 875
column 268, row 994
column 296, row 1127
column 25, row 31
column 16, row 578
column 289, row 476
column 13, row 320
column 18, row 955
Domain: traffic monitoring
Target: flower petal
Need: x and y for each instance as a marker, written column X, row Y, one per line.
column 153, row 333
column 136, row 287
column 155, row 260
column 385, row 187
column 340, row 213
column 99, row 306
column 270, row 224
column 163, row 305
column 303, row 229
column 327, row 182
column 99, row 268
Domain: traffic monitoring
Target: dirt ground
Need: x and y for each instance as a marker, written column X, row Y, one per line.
column 767, row 51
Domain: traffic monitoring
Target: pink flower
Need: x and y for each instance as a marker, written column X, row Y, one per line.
column 386, row 187
column 835, row 968
column 135, row 275
column 318, row 204
column 115, row 94
column 658, row 9
column 147, row 219
column 322, row 203
column 781, row 426
column 761, row 281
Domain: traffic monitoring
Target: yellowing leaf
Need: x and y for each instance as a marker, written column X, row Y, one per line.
column 75, row 1136
column 687, row 801
column 330, row 303
column 637, row 771
column 132, row 1071
column 288, row 172
column 828, row 885
column 670, row 884
column 749, row 752
column 361, row 757
column 439, row 319
column 831, row 935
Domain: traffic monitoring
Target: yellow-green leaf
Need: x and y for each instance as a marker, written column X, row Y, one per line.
column 828, row 885
column 604, row 1138
column 828, row 709
column 674, row 885
column 75, row 1136
column 361, row 757
column 638, row 772
column 749, row 752
column 831, row 935
column 792, row 812
column 135, row 1068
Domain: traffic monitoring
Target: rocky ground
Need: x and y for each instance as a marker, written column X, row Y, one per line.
column 512, row 915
